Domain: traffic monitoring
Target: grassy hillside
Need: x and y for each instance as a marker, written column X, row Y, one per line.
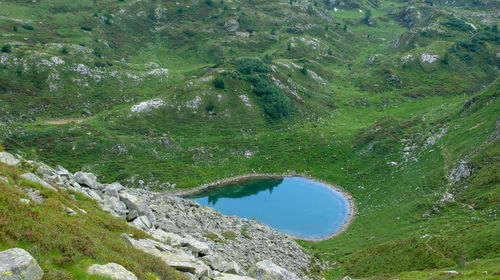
column 386, row 103
column 66, row 245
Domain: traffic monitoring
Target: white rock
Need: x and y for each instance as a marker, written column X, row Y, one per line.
column 226, row 276
column 265, row 270
column 87, row 179
column 147, row 105
column 17, row 264
column 8, row 159
column 32, row 177
column 113, row 271
column 429, row 58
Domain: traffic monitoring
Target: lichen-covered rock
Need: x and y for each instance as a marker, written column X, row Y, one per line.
column 173, row 257
column 228, row 276
column 87, row 179
column 113, row 271
column 17, row 264
column 266, row 270
column 33, row 178
column 8, row 159
column 116, row 205
column 134, row 203
column 142, row 222
column 113, row 189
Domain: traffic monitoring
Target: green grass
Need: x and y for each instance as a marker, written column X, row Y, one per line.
column 345, row 129
column 65, row 246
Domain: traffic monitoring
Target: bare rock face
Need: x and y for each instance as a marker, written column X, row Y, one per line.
column 267, row 270
column 8, row 159
column 87, row 179
column 17, row 264
column 113, row 271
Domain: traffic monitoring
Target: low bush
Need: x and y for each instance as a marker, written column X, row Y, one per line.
column 251, row 65
column 6, row 49
column 219, row 82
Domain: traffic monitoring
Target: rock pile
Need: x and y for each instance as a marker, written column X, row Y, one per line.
column 194, row 239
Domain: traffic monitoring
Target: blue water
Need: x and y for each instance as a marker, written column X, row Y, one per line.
column 293, row 205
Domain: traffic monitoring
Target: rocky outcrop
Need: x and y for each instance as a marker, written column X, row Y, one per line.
column 32, row 177
column 113, row 271
column 267, row 270
column 17, row 264
column 8, row 159
column 199, row 241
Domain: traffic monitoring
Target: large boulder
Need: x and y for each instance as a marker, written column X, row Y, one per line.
column 87, row 179
column 116, row 205
column 134, row 203
column 231, row 267
column 266, row 270
column 8, row 159
column 61, row 171
column 17, row 264
column 33, row 178
column 167, row 237
column 173, row 257
column 113, row 271
column 113, row 189
column 143, row 223
column 194, row 245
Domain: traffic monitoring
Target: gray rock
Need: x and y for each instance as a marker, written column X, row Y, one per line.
column 142, row 222
column 69, row 211
column 226, row 276
column 87, row 179
column 167, row 237
column 347, row 278
column 134, row 203
column 33, row 178
column 61, row 171
column 8, row 159
column 194, row 245
column 214, row 261
column 232, row 25
column 265, row 270
column 113, row 271
column 173, row 257
column 94, row 195
column 231, row 267
column 17, row 264
column 116, row 205
column 132, row 215
column 113, row 189
column 35, row 195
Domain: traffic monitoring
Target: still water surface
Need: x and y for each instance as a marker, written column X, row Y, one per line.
column 293, row 205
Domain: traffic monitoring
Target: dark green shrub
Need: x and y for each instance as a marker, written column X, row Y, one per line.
column 6, row 49
column 209, row 2
column 97, row 53
column 219, row 82
column 250, row 65
column 458, row 24
column 14, row 28
column 64, row 50
column 27, row 27
column 303, row 70
column 277, row 104
column 86, row 28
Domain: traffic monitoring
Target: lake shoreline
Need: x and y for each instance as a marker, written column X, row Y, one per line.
column 240, row 178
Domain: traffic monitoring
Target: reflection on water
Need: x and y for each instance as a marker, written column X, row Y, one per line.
column 251, row 187
column 292, row 205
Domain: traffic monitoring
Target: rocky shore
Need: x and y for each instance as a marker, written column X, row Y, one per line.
column 194, row 239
